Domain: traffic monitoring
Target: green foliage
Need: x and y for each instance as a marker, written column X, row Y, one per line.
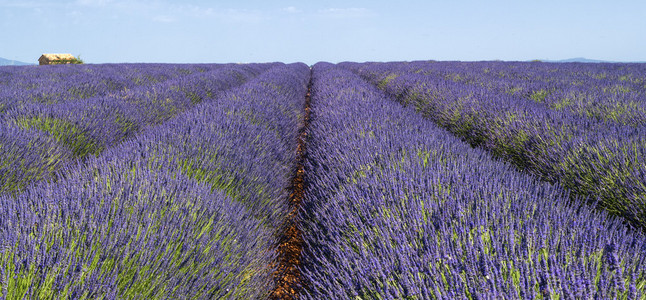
column 384, row 82
column 75, row 61
column 539, row 96
column 64, row 132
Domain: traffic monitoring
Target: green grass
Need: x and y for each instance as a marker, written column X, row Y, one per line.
column 65, row 133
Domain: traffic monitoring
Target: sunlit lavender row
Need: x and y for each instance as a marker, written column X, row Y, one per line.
column 594, row 158
column 397, row 208
column 39, row 139
column 606, row 92
column 613, row 93
column 186, row 209
column 61, row 83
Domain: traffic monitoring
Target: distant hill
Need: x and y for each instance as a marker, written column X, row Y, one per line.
column 7, row 62
column 583, row 60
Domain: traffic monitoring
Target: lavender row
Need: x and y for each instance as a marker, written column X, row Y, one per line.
column 614, row 93
column 396, row 208
column 76, row 129
column 187, row 209
column 605, row 93
column 597, row 160
column 63, row 83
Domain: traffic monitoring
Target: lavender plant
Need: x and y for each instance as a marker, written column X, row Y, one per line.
column 596, row 159
column 17, row 168
column 88, row 126
column 613, row 93
column 54, row 84
column 186, row 209
column 133, row 230
column 397, row 208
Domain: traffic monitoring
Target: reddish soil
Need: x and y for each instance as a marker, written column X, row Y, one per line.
column 287, row 275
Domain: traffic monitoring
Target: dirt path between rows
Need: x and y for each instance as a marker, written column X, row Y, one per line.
column 287, row 275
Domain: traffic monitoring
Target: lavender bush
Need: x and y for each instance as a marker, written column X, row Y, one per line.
column 19, row 169
column 187, row 209
column 594, row 158
column 396, row 208
column 63, row 83
column 613, row 93
column 88, row 126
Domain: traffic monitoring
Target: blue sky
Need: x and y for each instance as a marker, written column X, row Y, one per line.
column 113, row 31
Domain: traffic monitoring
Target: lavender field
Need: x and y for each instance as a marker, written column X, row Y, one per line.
column 400, row 180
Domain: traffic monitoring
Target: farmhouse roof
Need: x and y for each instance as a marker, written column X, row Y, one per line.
column 57, row 56
column 53, row 58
